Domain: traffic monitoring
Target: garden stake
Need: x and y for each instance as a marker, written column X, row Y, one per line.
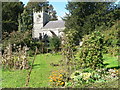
column 28, row 76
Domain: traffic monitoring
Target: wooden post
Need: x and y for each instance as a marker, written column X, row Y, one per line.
column 29, row 73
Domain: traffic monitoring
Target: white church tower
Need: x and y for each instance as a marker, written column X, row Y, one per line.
column 39, row 20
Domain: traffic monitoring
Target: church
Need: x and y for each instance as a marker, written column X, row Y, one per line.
column 43, row 26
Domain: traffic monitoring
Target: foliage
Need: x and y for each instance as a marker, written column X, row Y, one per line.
column 68, row 48
column 10, row 12
column 57, row 78
column 25, row 21
column 23, row 38
column 111, row 39
column 86, row 17
column 37, row 6
column 111, row 83
column 17, row 38
column 90, row 54
column 52, row 13
column 81, row 78
column 54, row 43
column 15, row 60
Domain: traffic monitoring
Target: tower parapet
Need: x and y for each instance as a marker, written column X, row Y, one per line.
column 39, row 20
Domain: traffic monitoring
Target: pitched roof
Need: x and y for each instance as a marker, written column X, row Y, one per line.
column 54, row 24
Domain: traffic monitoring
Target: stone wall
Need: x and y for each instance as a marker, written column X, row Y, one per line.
column 39, row 20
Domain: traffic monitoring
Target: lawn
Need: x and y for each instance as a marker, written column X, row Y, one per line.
column 39, row 76
column 41, row 71
column 111, row 61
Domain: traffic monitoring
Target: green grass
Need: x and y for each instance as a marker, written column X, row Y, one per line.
column 110, row 61
column 39, row 76
column 41, row 71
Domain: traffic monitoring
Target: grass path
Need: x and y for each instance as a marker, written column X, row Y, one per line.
column 110, row 61
column 39, row 76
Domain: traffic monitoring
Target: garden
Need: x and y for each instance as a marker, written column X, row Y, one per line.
column 87, row 56
column 61, row 68
column 43, row 74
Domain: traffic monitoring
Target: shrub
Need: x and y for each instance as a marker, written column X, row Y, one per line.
column 111, row 39
column 24, row 39
column 69, row 42
column 82, row 79
column 90, row 54
column 18, row 38
column 54, row 43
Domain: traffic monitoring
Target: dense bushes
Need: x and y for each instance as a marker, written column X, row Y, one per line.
column 24, row 39
column 54, row 43
column 90, row 54
column 17, row 38
column 111, row 39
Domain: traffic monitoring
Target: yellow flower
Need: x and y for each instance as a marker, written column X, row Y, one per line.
column 60, row 75
column 50, row 80
column 62, row 83
column 116, row 71
column 55, row 74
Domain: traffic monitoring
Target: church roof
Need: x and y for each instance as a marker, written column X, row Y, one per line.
column 54, row 24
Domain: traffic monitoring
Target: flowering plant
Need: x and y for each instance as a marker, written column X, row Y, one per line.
column 57, row 78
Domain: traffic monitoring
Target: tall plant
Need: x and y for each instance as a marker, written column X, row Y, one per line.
column 90, row 54
column 68, row 48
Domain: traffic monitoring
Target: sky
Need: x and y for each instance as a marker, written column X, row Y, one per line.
column 59, row 7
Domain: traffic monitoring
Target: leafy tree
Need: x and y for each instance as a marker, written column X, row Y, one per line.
column 86, row 17
column 37, row 6
column 52, row 13
column 111, row 39
column 68, row 48
column 10, row 12
column 25, row 21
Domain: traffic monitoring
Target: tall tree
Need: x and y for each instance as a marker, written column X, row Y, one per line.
column 25, row 21
column 10, row 12
column 52, row 13
column 86, row 17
